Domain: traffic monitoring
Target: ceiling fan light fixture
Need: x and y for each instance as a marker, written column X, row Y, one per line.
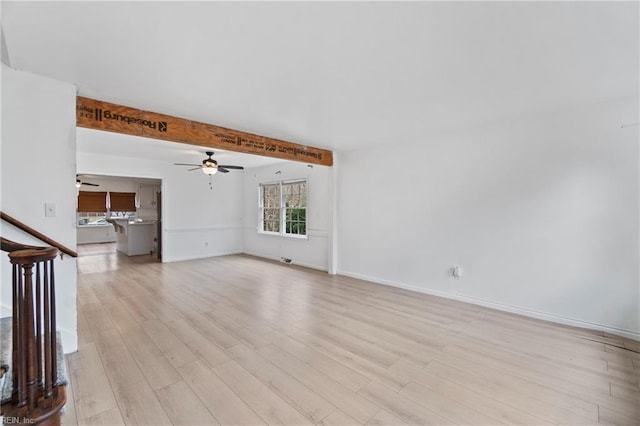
column 209, row 166
column 209, row 170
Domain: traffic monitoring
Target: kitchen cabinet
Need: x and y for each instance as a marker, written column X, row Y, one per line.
column 147, row 196
column 89, row 234
column 134, row 238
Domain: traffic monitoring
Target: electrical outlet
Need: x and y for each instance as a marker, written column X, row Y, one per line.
column 456, row 271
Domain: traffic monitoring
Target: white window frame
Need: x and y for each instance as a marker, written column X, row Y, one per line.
column 283, row 209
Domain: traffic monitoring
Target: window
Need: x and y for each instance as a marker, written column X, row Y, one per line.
column 283, row 207
column 122, row 201
column 92, row 201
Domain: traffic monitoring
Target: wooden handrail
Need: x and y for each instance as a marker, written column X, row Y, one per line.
column 29, row 230
column 11, row 246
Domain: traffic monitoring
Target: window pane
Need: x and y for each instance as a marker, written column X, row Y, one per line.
column 270, row 195
column 271, row 219
column 295, row 220
column 295, row 194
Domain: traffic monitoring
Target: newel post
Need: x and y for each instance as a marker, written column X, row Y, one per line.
column 30, row 314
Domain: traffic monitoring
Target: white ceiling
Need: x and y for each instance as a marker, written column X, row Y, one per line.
column 334, row 75
column 107, row 143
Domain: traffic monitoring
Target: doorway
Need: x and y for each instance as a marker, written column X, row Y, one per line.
column 118, row 220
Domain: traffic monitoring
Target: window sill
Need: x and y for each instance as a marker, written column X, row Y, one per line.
column 277, row 234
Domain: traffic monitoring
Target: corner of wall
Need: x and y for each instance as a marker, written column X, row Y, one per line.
column 50, row 145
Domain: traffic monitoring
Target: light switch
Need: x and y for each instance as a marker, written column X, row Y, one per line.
column 50, row 209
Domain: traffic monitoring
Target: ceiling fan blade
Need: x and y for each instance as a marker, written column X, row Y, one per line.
column 222, row 170
column 89, row 184
column 183, row 164
column 195, row 168
column 232, row 167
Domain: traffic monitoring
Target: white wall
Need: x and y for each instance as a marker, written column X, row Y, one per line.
column 311, row 252
column 38, row 167
column 198, row 222
column 540, row 213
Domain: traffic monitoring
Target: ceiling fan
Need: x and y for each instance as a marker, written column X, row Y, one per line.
column 210, row 166
column 80, row 183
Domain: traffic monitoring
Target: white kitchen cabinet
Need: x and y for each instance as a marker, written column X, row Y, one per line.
column 89, row 234
column 147, row 195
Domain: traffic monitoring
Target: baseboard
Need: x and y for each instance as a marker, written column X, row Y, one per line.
column 277, row 259
column 629, row 334
column 5, row 310
column 69, row 341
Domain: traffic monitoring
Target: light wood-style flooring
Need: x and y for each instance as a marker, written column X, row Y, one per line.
column 237, row 340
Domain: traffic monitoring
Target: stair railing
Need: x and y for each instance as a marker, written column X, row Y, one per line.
column 36, row 396
column 39, row 235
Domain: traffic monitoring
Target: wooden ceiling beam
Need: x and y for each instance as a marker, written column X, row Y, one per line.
column 100, row 115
